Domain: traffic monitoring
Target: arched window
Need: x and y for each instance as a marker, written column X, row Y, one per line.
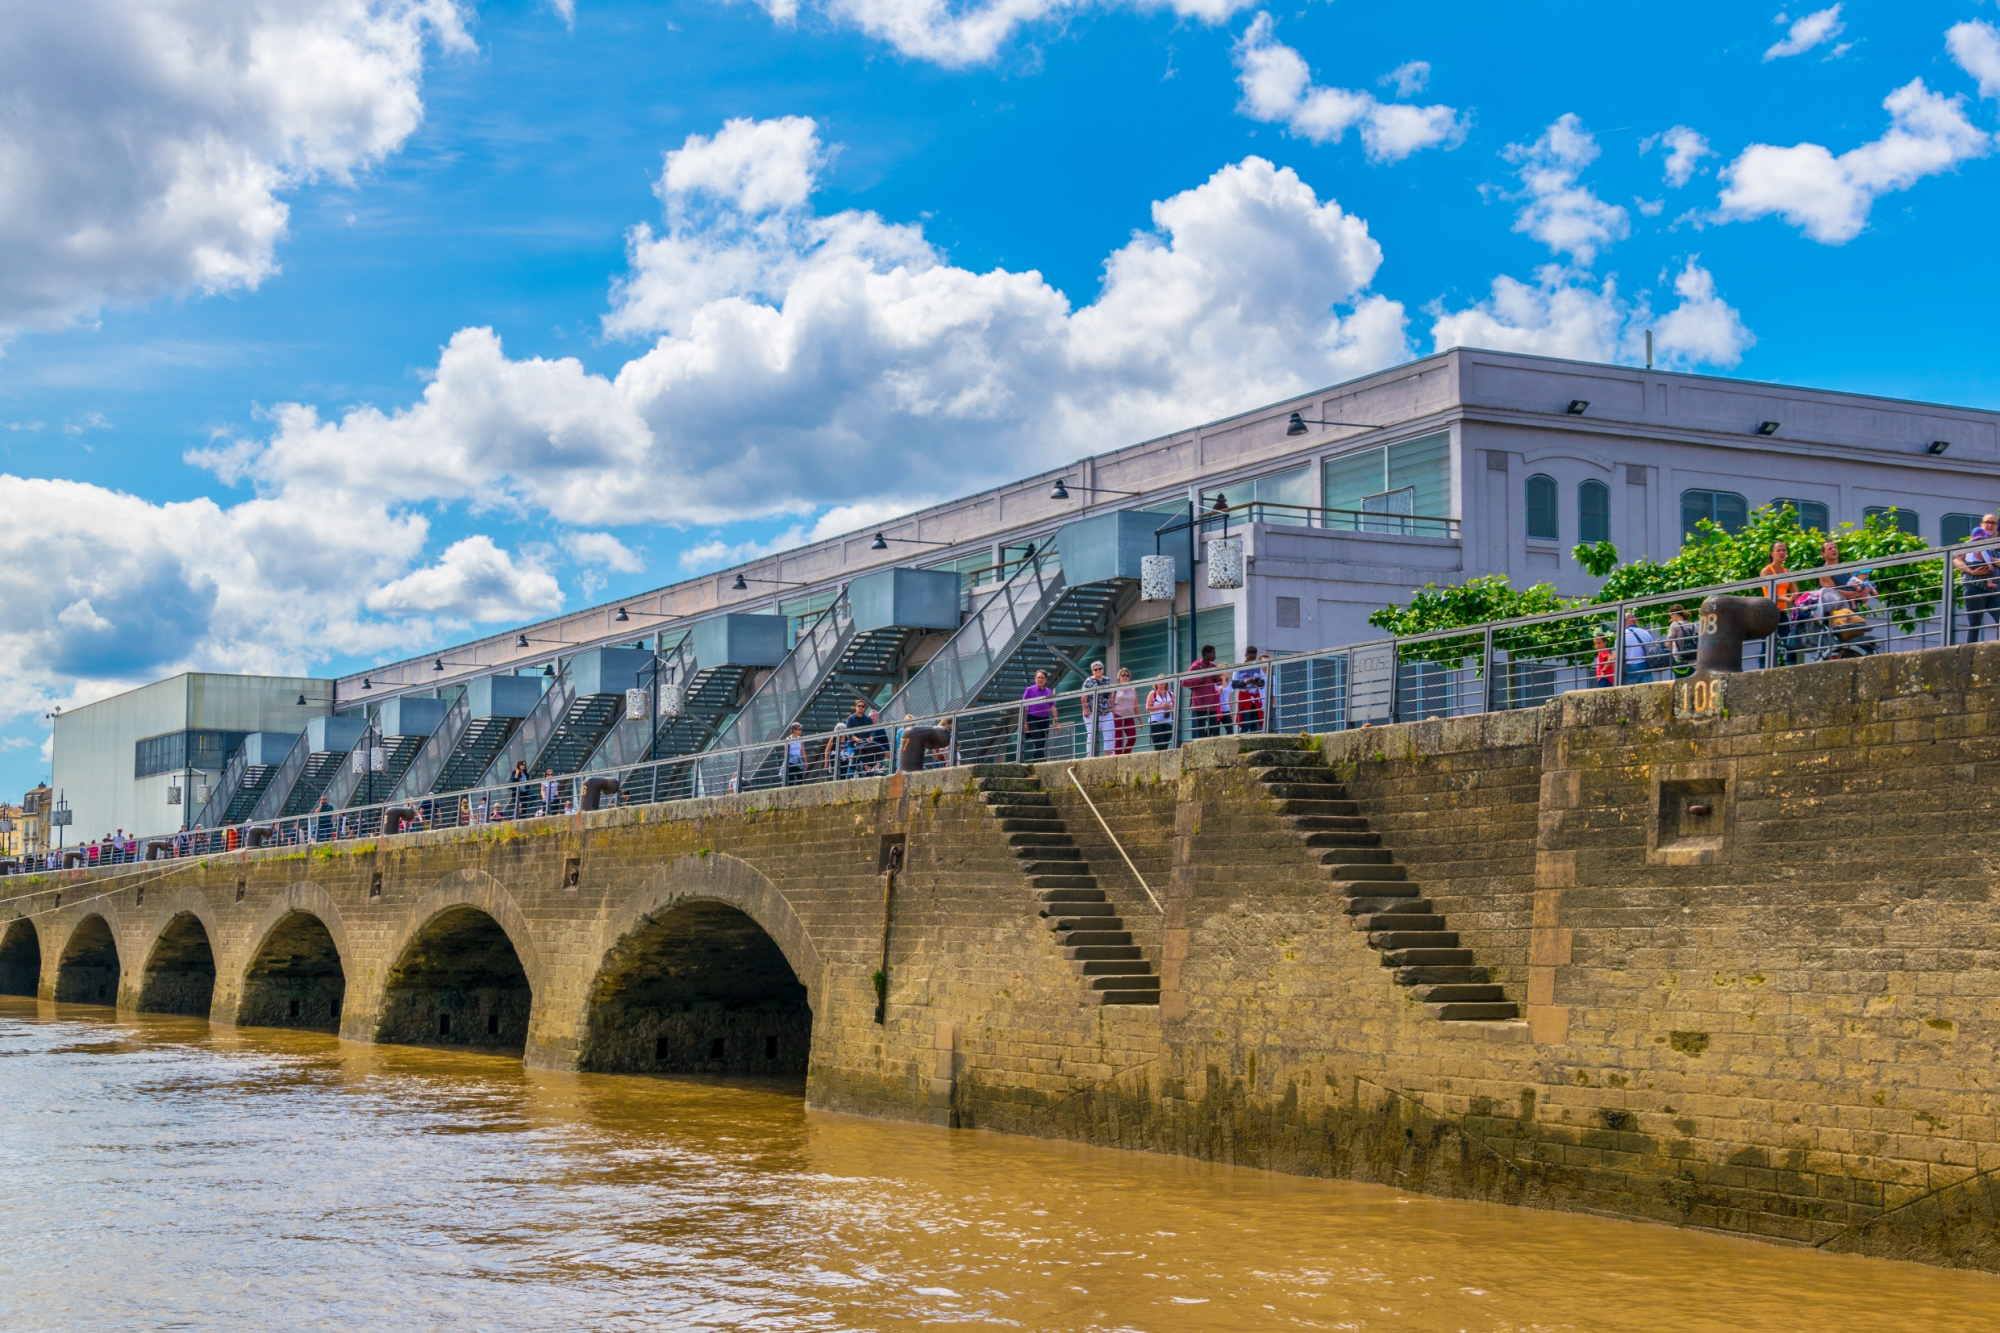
column 1542, row 525
column 1593, row 512
column 1726, row 509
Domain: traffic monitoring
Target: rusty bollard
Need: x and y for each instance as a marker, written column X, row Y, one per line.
column 1726, row 622
column 918, row 740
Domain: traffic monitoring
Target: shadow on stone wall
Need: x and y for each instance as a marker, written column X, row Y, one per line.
column 459, row 983
column 87, row 972
column 698, row 988
column 21, row 959
column 180, row 973
column 296, row 980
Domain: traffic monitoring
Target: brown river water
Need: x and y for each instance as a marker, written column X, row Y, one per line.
column 156, row 1173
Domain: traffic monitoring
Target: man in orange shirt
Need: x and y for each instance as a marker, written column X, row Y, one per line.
column 1782, row 595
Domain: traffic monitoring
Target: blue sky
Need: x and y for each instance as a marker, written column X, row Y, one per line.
column 328, row 331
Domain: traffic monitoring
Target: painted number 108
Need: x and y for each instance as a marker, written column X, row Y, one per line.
column 1704, row 695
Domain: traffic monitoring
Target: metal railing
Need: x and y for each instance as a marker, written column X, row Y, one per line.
column 422, row 774
column 959, row 670
column 794, row 681
column 271, row 801
column 224, row 791
column 525, row 745
column 1847, row 611
column 632, row 738
column 1380, row 522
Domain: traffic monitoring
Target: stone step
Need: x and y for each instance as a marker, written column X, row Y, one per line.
column 1474, row 1012
column 1039, row 840
column 1421, row 940
column 1099, row 952
column 1002, row 770
column 1093, row 925
column 1458, row 992
column 1071, row 895
column 1010, row 785
column 1440, row 974
column 1398, row 920
column 1369, row 888
column 1073, row 866
column 1387, row 901
column 1122, row 967
column 1063, row 881
column 1290, row 806
column 1354, row 856
column 1341, row 838
column 1307, row 791
column 1348, row 871
column 1278, row 756
column 1048, row 852
column 1318, row 823
column 1128, row 983
column 1083, row 939
column 1427, row 958
column 1109, row 997
column 1002, row 800
column 1249, row 746
column 1033, row 826
column 1079, row 911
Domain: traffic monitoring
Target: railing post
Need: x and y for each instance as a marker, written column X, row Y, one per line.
column 1950, row 611
column 1486, row 668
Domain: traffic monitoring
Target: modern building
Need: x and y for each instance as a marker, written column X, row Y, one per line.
column 1459, row 464
column 140, row 761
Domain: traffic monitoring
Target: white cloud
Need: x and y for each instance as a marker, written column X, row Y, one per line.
column 935, row 31
column 1975, row 46
column 1278, row 88
column 838, row 521
column 1685, row 150
column 144, row 144
column 1808, row 32
column 803, row 360
column 1829, row 197
column 601, row 548
column 1409, row 78
column 1564, row 315
column 1560, row 213
column 473, row 580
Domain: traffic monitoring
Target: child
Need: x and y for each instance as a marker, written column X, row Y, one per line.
column 1605, row 667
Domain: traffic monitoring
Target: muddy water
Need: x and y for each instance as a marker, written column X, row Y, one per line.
column 156, row 1173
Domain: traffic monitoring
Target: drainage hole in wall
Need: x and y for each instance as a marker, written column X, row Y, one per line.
column 444, row 1025
column 770, row 1048
column 660, row 1049
column 292, row 1009
column 492, row 1025
column 715, row 1049
column 336, row 1010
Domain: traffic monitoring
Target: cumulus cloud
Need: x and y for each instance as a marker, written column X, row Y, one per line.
column 1410, row 78
column 1975, row 46
column 1685, row 150
column 1559, row 212
column 1829, row 197
column 473, row 579
column 145, row 144
column 1806, row 33
column 1278, row 88
column 972, row 34
column 601, row 548
column 800, row 360
column 718, row 554
column 1568, row 314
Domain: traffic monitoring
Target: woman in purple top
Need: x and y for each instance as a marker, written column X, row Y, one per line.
column 1036, row 714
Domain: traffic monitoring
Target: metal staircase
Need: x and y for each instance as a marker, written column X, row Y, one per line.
column 351, row 786
column 796, row 682
column 708, row 696
column 320, row 769
column 474, row 753
column 295, row 787
column 224, row 791
column 424, row 771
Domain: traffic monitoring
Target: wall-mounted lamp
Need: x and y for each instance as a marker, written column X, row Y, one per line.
column 621, row 616
column 1578, row 406
column 743, row 585
column 367, row 684
column 1297, row 425
column 438, row 665
column 302, row 701
column 1060, row 491
column 881, row 543
column 1767, row 428
column 1937, row 446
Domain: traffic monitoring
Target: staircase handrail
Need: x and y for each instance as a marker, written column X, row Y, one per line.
column 271, row 803
column 630, row 739
column 430, row 761
column 794, row 681
column 348, row 780
column 535, row 730
column 225, row 787
column 955, row 675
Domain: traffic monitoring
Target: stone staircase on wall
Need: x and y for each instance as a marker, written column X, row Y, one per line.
column 1090, row 932
column 1404, row 927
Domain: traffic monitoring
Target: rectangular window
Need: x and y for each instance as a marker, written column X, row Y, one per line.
column 1291, row 490
column 1142, row 649
column 1904, row 519
column 802, row 611
column 1352, row 478
column 1424, row 466
column 972, row 570
column 1726, row 509
column 1955, row 528
column 180, row 750
column 1421, row 466
column 1813, row 515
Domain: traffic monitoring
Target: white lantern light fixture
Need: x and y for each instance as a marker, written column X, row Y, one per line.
column 637, row 702
column 1156, row 578
column 1225, row 562
column 673, row 700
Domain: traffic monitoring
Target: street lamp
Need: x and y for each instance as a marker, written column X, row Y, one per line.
column 881, row 543
column 1297, row 425
column 743, row 585
column 1060, row 491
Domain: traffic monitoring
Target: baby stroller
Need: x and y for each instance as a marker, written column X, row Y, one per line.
column 1827, row 627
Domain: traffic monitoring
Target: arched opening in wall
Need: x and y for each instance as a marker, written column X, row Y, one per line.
column 296, row 980
column 20, row 959
column 87, row 972
column 180, row 973
column 459, row 983
column 698, row 988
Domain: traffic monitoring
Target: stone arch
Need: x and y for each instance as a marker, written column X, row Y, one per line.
column 179, row 973
column 88, row 968
column 465, row 970
column 297, row 969
column 21, row 958
column 706, row 969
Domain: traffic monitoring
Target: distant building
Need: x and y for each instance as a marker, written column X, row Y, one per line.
column 13, row 829
column 35, row 831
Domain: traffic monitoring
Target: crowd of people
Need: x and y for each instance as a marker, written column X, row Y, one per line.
column 1220, row 702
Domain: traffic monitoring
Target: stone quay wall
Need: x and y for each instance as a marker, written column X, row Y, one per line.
column 1755, row 946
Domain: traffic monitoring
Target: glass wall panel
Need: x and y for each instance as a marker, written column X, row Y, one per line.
column 1543, row 525
column 1423, row 465
column 1593, row 512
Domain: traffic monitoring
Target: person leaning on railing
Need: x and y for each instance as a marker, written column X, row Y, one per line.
column 1205, row 694
column 1037, row 713
column 1160, row 714
column 1979, row 580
